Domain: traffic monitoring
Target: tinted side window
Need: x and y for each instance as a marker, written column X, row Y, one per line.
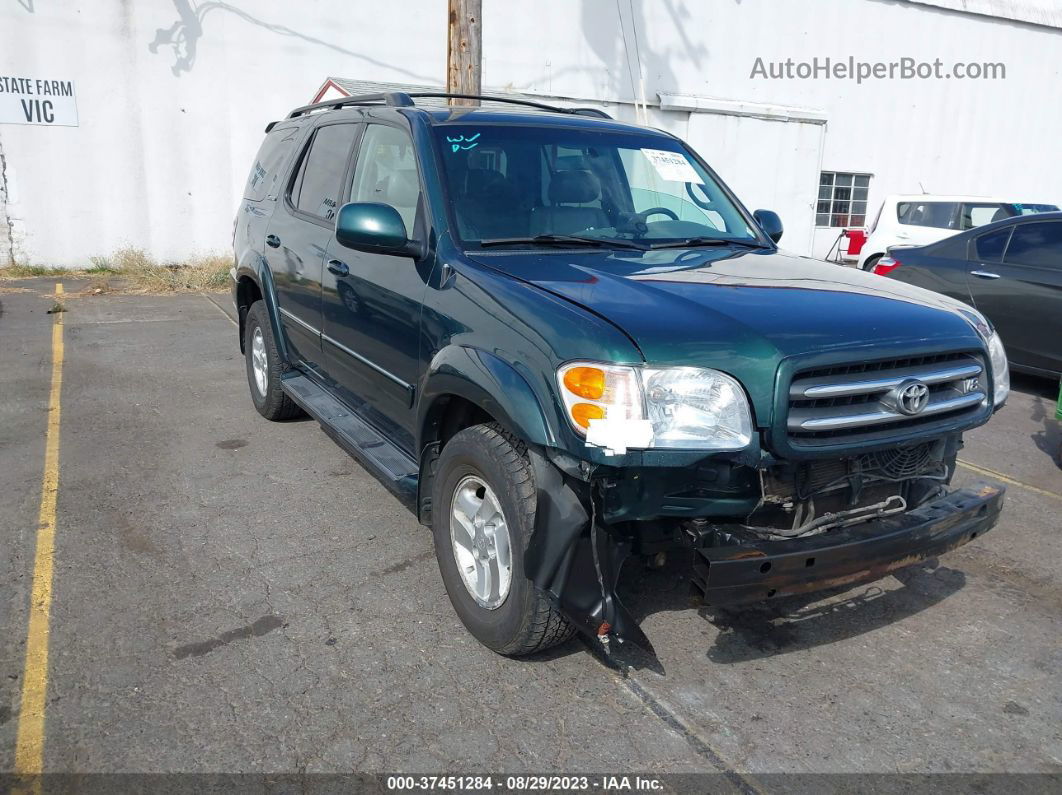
column 1036, row 244
column 316, row 190
column 989, row 247
column 940, row 215
column 269, row 165
column 387, row 172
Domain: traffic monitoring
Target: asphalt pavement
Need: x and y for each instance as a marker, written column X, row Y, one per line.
column 235, row 595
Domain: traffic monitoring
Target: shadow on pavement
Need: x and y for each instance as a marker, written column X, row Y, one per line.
column 767, row 629
column 1048, row 438
column 805, row 622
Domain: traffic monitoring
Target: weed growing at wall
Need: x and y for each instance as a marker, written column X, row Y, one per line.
column 132, row 270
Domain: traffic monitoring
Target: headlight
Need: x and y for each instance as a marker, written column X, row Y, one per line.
column 686, row 408
column 691, row 408
column 997, row 356
column 1000, row 369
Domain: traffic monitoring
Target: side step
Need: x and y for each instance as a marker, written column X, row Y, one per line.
column 389, row 464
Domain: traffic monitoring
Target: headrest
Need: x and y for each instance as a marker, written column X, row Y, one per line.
column 485, row 182
column 403, row 188
column 574, row 187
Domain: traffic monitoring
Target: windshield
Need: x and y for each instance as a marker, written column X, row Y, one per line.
column 513, row 184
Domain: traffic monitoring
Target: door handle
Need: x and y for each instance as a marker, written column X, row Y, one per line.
column 984, row 275
column 338, row 268
column 272, row 241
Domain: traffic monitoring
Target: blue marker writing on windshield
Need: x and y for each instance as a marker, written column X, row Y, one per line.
column 460, row 142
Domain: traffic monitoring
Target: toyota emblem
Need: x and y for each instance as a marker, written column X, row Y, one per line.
column 911, row 397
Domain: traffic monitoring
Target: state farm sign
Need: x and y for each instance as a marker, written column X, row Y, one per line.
column 37, row 100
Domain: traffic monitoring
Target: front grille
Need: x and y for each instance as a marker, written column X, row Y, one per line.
column 832, row 404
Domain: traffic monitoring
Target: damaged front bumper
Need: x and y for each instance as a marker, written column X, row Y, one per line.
column 584, row 532
column 753, row 570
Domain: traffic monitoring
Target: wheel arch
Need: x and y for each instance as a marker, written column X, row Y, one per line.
column 254, row 285
column 467, row 386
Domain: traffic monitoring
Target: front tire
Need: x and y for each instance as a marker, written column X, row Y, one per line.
column 264, row 367
column 868, row 266
column 483, row 515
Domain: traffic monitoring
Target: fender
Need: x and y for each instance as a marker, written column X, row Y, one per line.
column 489, row 382
column 263, row 278
column 571, row 556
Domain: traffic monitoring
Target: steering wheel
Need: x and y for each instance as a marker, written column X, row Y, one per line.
column 644, row 214
column 704, row 204
column 635, row 222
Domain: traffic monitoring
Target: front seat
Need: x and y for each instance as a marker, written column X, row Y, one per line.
column 567, row 188
column 401, row 189
column 489, row 206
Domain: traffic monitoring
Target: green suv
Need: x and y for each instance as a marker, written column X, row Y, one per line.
column 562, row 341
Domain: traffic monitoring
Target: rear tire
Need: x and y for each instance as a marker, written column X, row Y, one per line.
column 868, row 266
column 264, row 367
column 488, row 464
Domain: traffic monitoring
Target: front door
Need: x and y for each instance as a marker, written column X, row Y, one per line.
column 298, row 234
column 372, row 302
column 1019, row 292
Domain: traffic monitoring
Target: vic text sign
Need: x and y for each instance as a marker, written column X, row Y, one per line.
column 37, row 100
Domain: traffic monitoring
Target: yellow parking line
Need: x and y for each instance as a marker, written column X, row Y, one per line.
column 1009, row 480
column 29, row 747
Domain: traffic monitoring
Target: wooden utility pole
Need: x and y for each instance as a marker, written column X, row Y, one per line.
column 464, row 52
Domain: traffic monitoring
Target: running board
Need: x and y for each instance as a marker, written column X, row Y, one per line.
column 389, row 464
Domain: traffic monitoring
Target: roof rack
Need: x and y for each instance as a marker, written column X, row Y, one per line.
column 400, row 99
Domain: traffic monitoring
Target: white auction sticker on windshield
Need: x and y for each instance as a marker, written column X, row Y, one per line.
column 672, row 166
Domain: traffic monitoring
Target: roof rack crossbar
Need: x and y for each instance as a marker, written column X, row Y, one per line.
column 399, row 99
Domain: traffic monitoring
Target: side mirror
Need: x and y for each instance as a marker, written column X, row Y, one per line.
column 375, row 228
column 770, row 223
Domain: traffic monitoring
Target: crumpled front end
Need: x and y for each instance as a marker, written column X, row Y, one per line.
column 846, row 485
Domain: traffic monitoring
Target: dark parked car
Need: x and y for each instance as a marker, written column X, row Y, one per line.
column 562, row 340
column 1011, row 271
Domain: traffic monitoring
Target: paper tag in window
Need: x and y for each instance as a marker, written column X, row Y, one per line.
column 672, row 166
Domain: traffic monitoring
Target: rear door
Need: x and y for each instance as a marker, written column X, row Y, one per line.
column 1019, row 289
column 372, row 302
column 941, row 267
column 300, row 230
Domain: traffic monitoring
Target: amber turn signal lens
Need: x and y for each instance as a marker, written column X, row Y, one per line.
column 586, row 382
column 582, row 413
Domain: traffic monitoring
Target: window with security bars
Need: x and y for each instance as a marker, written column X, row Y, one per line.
column 842, row 199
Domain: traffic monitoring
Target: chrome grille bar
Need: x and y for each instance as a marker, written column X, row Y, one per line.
column 866, row 414
column 881, row 381
column 864, row 397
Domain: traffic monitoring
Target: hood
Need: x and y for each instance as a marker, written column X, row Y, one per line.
column 743, row 310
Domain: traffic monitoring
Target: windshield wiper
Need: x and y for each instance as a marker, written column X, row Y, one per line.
column 571, row 240
column 693, row 242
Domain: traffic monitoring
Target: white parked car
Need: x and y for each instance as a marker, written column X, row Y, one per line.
column 921, row 219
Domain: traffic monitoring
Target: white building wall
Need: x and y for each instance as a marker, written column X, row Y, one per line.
column 173, row 98
column 167, row 131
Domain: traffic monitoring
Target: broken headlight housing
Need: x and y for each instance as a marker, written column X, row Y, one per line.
column 678, row 408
